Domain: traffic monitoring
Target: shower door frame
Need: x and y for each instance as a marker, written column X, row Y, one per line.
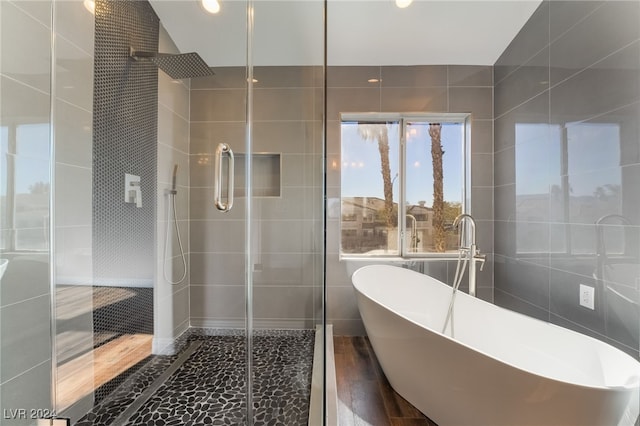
column 250, row 255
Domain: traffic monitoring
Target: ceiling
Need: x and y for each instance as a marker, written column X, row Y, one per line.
column 360, row 32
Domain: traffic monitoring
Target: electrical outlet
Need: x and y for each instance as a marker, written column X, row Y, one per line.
column 587, row 296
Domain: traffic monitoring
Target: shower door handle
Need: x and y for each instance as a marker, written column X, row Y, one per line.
column 223, row 148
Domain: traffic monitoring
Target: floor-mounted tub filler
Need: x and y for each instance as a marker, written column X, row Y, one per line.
column 500, row 368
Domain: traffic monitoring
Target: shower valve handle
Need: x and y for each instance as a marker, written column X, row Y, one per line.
column 480, row 258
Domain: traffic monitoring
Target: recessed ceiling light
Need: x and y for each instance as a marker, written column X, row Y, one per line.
column 211, row 6
column 373, row 80
column 90, row 5
column 403, row 3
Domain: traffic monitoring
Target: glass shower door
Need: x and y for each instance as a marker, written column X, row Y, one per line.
column 25, row 210
column 285, row 235
column 255, row 272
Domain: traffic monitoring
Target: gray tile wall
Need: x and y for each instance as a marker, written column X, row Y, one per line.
column 171, row 313
column 567, row 107
column 125, row 141
column 428, row 88
column 25, row 298
column 217, row 272
column 286, row 230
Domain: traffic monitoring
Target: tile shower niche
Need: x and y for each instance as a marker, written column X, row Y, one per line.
column 266, row 174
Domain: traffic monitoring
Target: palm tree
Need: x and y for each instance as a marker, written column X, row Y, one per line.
column 439, row 236
column 378, row 132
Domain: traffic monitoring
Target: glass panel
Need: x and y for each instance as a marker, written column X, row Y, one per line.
column 285, row 258
column 104, row 245
column 230, row 259
column 123, row 315
column 370, row 171
column 434, row 185
column 5, row 160
column 25, row 211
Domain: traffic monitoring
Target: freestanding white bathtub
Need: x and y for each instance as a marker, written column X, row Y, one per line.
column 501, row 368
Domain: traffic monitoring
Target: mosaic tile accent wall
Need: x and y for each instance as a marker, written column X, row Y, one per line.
column 125, row 141
column 125, row 135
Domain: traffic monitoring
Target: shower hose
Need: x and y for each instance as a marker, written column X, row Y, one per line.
column 456, row 283
column 171, row 205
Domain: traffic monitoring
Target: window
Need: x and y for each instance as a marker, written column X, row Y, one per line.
column 403, row 182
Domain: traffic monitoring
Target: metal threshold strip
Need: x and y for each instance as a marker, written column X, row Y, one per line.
column 148, row 393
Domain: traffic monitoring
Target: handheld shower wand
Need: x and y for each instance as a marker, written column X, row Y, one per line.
column 173, row 181
column 172, row 203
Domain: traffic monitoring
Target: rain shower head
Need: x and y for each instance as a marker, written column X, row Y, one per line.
column 177, row 66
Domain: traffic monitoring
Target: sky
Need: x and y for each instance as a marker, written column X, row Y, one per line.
column 361, row 175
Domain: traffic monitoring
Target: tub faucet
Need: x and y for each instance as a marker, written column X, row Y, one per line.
column 468, row 237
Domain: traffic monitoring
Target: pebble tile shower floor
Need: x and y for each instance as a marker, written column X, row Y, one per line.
column 209, row 387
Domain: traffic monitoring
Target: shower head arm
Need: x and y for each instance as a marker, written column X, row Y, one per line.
column 144, row 55
column 141, row 55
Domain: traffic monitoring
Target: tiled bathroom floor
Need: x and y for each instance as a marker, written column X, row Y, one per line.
column 209, row 387
column 365, row 397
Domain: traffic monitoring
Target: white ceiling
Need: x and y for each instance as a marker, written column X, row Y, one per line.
column 360, row 32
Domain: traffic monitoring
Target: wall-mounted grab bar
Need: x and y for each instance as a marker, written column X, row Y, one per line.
column 223, row 148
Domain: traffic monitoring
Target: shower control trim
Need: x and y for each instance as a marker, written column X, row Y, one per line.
column 223, row 148
column 132, row 190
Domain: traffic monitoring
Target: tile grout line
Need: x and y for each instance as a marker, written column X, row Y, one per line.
column 144, row 397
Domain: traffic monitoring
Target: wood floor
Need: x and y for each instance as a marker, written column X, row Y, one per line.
column 364, row 394
column 82, row 375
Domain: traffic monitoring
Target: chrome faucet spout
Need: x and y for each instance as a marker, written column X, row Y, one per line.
column 468, row 235
column 472, row 237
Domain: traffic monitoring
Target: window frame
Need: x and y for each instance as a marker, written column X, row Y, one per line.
column 402, row 119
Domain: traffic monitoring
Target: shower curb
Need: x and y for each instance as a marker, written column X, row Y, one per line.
column 328, row 376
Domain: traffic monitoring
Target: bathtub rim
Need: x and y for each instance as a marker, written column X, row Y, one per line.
column 635, row 380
